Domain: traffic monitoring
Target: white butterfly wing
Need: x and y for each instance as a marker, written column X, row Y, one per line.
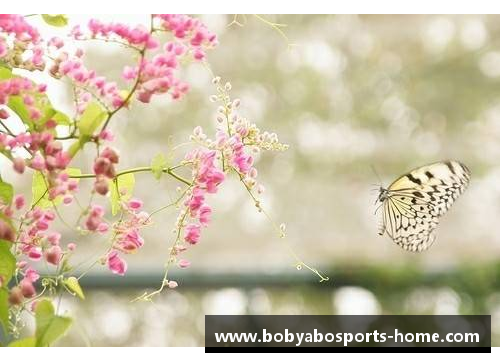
column 415, row 202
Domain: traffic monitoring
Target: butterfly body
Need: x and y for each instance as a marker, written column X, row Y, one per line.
column 413, row 203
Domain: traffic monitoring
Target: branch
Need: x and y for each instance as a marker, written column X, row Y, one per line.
column 168, row 170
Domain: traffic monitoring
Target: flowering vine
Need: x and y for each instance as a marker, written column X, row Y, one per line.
column 28, row 237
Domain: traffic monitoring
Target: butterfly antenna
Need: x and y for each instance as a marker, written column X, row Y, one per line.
column 376, row 174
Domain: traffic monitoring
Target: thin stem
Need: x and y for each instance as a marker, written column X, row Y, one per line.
column 299, row 263
column 142, row 54
column 277, row 27
column 168, row 170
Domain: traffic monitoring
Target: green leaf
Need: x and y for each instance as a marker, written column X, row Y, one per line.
column 49, row 327
column 158, row 163
column 39, row 189
column 61, row 119
column 57, row 20
column 73, row 285
column 6, row 192
column 122, row 188
column 91, row 118
column 7, row 268
column 4, row 310
column 7, row 261
column 42, row 103
column 5, row 72
column 25, row 342
column 17, row 105
column 78, row 145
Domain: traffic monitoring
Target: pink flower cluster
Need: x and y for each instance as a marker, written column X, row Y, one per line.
column 49, row 153
column 105, row 170
column 192, row 31
column 48, row 157
column 207, row 178
column 17, row 86
column 30, row 276
column 127, row 238
column 157, row 76
column 95, row 221
column 206, row 174
column 241, row 161
column 36, row 242
column 25, row 289
column 87, row 81
column 15, row 27
column 36, row 236
column 138, row 36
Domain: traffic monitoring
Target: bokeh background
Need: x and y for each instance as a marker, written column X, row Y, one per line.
column 353, row 96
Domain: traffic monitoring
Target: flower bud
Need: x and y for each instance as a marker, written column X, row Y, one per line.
column 53, row 255
column 19, row 164
column 101, row 165
column 110, row 154
column 27, row 288
column 172, row 284
column 4, row 114
column 183, row 263
column 101, row 186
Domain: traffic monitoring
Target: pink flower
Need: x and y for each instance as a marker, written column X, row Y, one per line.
column 183, row 263
column 94, row 221
column 129, row 73
column 19, row 27
column 103, row 166
column 27, row 288
column 101, row 185
column 31, row 274
column 38, row 163
column 19, row 201
column 196, row 200
column 4, row 114
column 243, row 163
column 103, row 227
column 53, row 255
column 131, row 240
column 106, row 135
column 208, row 174
column 135, row 204
column 54, row 238
column 56, row 42
column 71, row 246
column 116, row 264
column 35, row 253
column 110, row 154
column 205, row 212
column 172, row 284
column 192, row 233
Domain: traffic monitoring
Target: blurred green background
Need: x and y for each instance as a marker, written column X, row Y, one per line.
column 353, row 94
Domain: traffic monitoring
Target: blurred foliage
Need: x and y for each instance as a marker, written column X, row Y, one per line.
column 177, row 317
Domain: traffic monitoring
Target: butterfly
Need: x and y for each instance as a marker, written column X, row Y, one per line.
column 413, row 204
